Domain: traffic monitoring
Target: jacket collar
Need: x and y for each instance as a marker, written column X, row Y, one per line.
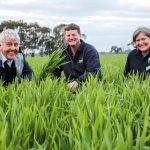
column 1, row 63
column 139, row 54
column 1, row 60
column 79, row 49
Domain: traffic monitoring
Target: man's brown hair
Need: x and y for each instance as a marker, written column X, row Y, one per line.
column 72, row 26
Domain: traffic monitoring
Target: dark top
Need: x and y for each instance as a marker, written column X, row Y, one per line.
column 8, row 74
column 86, row 61
column 136, row 63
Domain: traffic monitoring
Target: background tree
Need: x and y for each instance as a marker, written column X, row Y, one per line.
column 130, row 46
column 116, row 49
column 34, row 37
column 56, row 40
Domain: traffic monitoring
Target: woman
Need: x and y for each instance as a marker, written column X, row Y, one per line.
column 138, row 60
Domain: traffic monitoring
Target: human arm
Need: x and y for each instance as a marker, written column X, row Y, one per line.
column 127, row 67
column 57, row 72
column 27, row 71
column 92, row 64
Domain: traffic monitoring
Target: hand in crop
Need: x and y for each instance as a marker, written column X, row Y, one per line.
column 73, row 85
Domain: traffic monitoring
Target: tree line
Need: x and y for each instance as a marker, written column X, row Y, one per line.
column 36, row 37
column 33, row 36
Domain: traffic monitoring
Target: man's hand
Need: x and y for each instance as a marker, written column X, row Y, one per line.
column 73, row 85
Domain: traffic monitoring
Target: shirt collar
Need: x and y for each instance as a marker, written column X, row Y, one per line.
column 5, row 59
column 80, row 47
column 139, row 52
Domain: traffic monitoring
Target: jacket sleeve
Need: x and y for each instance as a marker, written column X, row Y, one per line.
column 27, row 71
column 92, row 64
column 57, row 72
column 127, row 67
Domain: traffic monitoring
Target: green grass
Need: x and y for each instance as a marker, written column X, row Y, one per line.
column 102, row 115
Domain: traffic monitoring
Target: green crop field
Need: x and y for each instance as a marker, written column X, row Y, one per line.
column 112, row 114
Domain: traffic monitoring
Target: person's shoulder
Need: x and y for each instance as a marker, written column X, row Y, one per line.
column 65, row 49
column 89, row 47
column 87, row 44
column 20, row 55
column 1, row 55
column 133, row 52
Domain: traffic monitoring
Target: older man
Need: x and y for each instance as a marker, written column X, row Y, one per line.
column 12, row 63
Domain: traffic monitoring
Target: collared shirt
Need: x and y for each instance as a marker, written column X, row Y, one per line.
column 19, row 68
column 9, row 62
column 136, row 63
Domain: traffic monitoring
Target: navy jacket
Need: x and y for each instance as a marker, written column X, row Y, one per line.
column 136, row 63
column 20, row 68
column 86, row 61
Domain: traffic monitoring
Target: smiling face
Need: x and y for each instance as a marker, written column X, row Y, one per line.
column 142, row 42
column 9, row 48
column 72, row 37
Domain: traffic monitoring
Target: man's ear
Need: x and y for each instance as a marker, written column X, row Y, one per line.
column 0, row 47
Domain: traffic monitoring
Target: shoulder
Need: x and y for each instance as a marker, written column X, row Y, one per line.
column 89, row 48
column 132, row 53
column 64, row 52
column 20, row 56
column 1, row 56
column 19, row 59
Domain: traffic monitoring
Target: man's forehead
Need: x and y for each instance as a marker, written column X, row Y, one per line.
column 12, row 40
column 71, row 31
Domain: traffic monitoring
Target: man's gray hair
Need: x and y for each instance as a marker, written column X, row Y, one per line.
column 144, row 30
column 9, row 33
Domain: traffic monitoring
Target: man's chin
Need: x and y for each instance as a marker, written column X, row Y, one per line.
column 144, row 50
column 72, row 45
column 10, row 57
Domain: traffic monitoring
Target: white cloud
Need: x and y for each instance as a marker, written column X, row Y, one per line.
column 10, row 2
column 105, row 22
column 142, row 5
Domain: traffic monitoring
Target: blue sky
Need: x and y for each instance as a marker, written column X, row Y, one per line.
column 105, row 22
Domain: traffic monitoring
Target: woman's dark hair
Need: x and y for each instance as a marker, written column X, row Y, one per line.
column 144, row 30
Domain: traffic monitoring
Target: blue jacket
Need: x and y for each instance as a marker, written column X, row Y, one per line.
column 21, row 69
column 86, row 61
column 137, row 64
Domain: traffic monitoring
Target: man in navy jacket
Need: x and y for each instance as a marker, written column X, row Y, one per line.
column 82, row 58
column 12, row 62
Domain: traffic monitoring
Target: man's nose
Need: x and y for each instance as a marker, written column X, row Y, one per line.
column 13, row 46
column 71, row 37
